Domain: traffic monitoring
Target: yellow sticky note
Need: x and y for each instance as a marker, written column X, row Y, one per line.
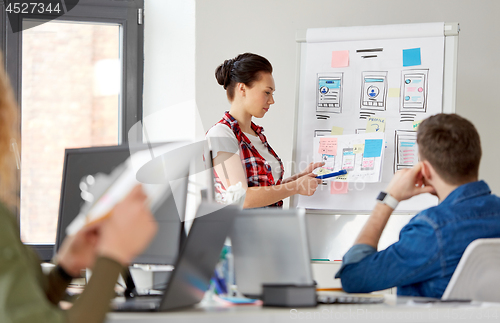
column 394, row 92
column 375, row 124
column 416, row 124
column 359, row 148
column 337, row 131
column 341, row 178
column 322, row 171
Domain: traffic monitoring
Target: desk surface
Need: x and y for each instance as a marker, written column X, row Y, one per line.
column 394, row 309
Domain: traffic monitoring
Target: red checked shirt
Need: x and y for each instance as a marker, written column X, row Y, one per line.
column 258, row 171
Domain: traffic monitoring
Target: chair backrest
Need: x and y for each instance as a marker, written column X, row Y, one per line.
column 477, row 276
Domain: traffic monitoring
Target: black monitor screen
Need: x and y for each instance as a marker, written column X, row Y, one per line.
column 79, row 163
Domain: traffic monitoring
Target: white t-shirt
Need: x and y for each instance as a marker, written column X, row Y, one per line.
column 223, row 139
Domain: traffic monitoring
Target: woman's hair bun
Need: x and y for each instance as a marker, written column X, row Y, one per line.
column 244, row 68
column 223, row 73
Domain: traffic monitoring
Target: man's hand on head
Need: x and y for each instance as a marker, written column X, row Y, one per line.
column 408, row 182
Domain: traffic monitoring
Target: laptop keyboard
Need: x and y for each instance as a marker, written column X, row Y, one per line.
column 346, row 299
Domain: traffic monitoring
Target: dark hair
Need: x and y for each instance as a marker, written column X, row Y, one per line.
column 244, row 68
column 452, row 145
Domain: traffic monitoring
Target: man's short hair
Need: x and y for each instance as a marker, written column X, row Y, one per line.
column 452, row 146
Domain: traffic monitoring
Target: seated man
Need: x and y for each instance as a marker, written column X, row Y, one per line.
column 430, row 246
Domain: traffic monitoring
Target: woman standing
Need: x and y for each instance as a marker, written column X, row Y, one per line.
column 236, row 141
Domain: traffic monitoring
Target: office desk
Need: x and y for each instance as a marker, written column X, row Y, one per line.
column 393, row 310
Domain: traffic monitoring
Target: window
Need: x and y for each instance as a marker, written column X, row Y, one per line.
column 78, row 81
column 69, row 98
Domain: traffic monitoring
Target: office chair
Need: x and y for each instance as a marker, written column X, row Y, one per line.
column 477, row 275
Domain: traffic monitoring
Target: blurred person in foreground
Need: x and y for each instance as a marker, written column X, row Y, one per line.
column 28, row 295
column 430, row 246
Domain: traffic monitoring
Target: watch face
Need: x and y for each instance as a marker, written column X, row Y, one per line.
column 381, row 196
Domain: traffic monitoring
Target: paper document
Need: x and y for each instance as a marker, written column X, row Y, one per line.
column 360, row 155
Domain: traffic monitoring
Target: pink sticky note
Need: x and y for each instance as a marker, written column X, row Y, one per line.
column 328, row 146
column 340, row 58
column 339, row 187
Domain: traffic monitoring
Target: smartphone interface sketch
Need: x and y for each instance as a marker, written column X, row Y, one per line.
column 373, row 91
column 348, row 159
column 406, row 149
column 329, row 161
column 368, row 163
column 414, row 97
column 329, row 93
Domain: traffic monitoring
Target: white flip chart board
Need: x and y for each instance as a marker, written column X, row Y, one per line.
column 397, row 75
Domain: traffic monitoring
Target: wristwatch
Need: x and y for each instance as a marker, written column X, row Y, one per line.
column 388, row 200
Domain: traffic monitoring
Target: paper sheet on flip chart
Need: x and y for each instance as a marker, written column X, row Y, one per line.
column 361, row 155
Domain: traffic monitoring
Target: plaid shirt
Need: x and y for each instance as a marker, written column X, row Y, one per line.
column 258, row 171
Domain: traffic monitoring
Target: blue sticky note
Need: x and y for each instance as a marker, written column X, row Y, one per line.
column 373, row 148
column 411, row 57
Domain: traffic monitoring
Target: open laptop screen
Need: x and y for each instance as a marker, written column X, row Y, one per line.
column 270, row 247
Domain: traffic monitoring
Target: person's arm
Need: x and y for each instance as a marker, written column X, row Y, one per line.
column 22, row 296
column 405, row 184
column 119, row 238
column 374, row 226
column 229, row 168
column 56, row 286
column 265, row 195
column 25, row 300
column 76, row 253
column 414, row 258
column 93, row 304
column 307, row 171
column 97, row 294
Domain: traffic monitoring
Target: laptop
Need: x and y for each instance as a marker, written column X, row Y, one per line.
column 195, row 265
column 270, row 247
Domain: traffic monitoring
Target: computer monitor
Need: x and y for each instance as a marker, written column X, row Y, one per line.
column 81, row 162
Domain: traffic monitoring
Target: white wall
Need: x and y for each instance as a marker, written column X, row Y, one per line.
column 225, row 28
column 169, row 69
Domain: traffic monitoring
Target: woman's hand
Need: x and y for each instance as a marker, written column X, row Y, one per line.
column 121, row 237
column 310, row 168
column 128, row 230
column 307, row 184
column 79, row 250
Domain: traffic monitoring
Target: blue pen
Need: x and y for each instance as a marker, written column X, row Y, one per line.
column 342, row 172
